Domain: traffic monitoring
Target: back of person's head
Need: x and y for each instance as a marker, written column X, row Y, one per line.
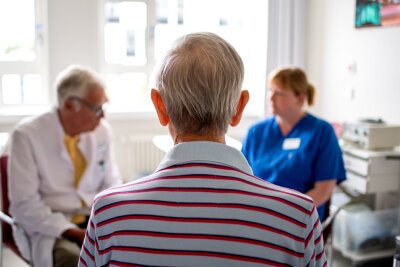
column 294, row 79
column 76, row 80
column 200, row 80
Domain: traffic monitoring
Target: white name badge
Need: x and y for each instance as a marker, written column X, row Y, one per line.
column 291, row 143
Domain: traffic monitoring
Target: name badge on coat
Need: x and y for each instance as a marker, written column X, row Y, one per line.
column 291, row 143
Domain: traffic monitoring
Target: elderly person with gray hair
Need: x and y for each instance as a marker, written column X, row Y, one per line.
column 57, row 163
column 202, row 206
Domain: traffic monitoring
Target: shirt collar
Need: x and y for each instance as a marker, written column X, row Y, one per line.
column 205, row 152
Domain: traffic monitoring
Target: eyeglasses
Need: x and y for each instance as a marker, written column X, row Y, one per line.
column 97, row 109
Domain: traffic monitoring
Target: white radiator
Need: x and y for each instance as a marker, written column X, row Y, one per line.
column 136, row 155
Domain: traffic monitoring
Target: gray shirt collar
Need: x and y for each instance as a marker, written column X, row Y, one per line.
column 205, row 152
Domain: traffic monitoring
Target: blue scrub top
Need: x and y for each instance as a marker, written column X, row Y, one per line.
column 309, row 153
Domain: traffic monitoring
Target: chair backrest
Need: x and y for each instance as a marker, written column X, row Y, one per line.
column 327, row 230
column 4, row 182
column 7, row 231
column 7, row 237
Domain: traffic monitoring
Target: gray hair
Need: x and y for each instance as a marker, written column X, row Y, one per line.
column 200, row 80
column 76, row 80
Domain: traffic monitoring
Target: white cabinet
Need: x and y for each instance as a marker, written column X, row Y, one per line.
column 372, row 171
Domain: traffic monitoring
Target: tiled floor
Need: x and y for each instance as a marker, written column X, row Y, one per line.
column 10, row 260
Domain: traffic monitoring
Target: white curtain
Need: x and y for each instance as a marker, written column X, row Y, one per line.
column 286, row 34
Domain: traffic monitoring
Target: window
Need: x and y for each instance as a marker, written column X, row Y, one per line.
column 136, row 34
column 126, row 63
column 22, row 62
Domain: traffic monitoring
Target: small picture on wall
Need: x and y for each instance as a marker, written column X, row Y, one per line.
column 376, row 13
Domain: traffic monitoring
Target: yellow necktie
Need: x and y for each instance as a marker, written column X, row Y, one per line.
column 79, row 162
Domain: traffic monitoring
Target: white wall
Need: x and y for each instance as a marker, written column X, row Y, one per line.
column 72, row 34
column 333, row 44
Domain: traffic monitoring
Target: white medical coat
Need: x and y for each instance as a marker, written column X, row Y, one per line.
column 41, row 175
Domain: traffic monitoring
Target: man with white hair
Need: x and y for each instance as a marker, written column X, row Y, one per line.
column 57, row 163
column 202, row 206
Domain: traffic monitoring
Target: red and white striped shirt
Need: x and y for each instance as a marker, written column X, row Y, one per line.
column 203, row 207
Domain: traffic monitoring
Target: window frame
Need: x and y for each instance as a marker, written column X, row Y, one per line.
column 38, row 66
column 105, row 68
